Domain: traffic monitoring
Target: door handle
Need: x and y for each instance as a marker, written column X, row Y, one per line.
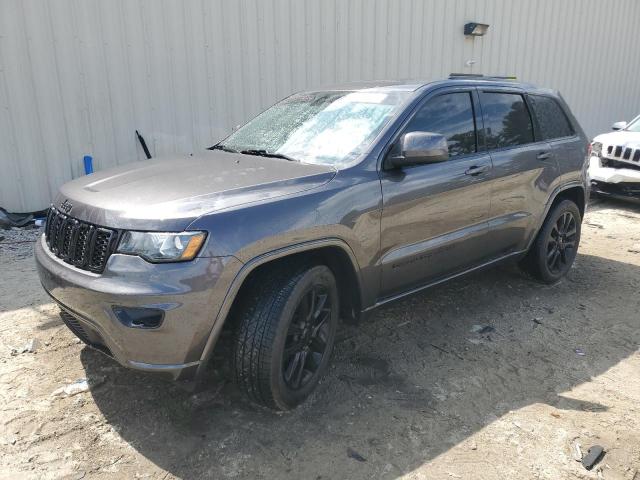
column 476, row 170
column 544, row 156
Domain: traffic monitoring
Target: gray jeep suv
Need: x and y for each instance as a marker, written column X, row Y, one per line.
column 325, row 206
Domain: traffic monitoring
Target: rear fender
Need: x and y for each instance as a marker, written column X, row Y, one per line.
column 551, row 202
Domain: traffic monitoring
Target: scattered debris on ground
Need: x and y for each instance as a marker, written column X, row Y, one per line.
column 577, row 452
column 351, row 453
column 8, row 220
column 30, row 347
column 79, row 386
column 482, row 329
column 593, row 456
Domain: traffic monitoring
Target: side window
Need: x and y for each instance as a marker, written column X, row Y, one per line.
column 450, row 115
column 507, row 121
column 551, row 118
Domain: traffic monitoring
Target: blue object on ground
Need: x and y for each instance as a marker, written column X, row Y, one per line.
column 88, row 164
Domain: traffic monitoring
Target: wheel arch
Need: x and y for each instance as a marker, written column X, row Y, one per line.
column 574, row 191
column 333, row 252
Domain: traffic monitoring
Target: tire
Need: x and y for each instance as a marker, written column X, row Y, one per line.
column 273, row 316
column 554, row 250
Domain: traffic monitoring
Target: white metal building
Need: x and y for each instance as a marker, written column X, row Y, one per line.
column 79, row 77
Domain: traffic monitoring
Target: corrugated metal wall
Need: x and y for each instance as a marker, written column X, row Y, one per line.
column 79, row 76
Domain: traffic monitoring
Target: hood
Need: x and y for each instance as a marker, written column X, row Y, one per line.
column 169, row 193
column 620, row 138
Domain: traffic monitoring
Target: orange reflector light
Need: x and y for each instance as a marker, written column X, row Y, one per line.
column 193, row 247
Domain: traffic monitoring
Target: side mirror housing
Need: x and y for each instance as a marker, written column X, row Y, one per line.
column 418, row 148
column 619, row 126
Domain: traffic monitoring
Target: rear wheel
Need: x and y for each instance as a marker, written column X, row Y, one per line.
column 287, row 323
column 556, row 246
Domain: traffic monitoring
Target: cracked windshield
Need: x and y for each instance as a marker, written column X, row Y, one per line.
column 331, row 128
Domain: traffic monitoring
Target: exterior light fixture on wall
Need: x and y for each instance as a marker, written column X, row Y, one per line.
column 476, row 29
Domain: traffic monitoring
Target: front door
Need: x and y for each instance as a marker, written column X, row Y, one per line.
column 434, row 218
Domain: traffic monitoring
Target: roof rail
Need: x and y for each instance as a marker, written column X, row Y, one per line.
column 465, row 75
column 480, row 75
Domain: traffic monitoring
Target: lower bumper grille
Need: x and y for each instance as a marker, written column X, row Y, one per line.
column 73, row 325
column 92, row 339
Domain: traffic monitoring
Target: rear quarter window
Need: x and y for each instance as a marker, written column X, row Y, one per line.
column 552, row 120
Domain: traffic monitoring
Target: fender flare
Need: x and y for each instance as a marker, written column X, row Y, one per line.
column 552, row 198
column 249, row 267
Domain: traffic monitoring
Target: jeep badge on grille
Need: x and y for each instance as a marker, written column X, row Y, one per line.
column 66, row 206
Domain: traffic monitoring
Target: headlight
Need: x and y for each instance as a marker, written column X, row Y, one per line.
column 161, row 246
column 596, row 149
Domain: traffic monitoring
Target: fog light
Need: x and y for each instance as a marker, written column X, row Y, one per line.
column 139, row 317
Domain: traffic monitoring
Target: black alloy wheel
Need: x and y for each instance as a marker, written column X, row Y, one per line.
column 287, row 319
column 561, row 244
column 554, row 250
column 307, row 337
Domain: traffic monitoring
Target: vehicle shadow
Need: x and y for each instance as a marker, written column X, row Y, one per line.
column 418, row 378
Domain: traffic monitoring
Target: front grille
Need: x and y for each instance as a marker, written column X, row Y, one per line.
column 627, row 154
column 79, row 243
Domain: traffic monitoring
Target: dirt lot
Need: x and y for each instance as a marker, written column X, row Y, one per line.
column 416, row 392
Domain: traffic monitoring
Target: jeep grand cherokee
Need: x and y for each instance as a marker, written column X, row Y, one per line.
column 325, row 206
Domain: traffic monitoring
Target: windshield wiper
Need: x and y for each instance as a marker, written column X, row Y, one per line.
column 264, row 153
column 219, row 146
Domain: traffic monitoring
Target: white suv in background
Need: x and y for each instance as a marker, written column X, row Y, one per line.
column 614, row 166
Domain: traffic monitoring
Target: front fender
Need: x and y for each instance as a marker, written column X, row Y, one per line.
column 251, row 266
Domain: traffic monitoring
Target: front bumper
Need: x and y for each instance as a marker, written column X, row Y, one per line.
column 188, row 294
column 614, row 182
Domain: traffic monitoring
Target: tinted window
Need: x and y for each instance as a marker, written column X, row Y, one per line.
column 450, row 115
column 551, row 118
column 506, row 120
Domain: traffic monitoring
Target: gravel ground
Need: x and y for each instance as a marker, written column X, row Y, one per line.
column 492, row 376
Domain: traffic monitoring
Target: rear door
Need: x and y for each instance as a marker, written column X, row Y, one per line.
column 434, row 218
column 553, row 126
column 524, row 166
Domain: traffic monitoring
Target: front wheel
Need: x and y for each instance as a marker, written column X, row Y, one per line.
column 556, row 246
column 287, row 323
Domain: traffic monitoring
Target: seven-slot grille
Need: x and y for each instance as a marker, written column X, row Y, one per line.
column 79, row 243
column 619, row 152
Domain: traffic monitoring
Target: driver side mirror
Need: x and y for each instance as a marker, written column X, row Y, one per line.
column 418, row 148
column 619, row 126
